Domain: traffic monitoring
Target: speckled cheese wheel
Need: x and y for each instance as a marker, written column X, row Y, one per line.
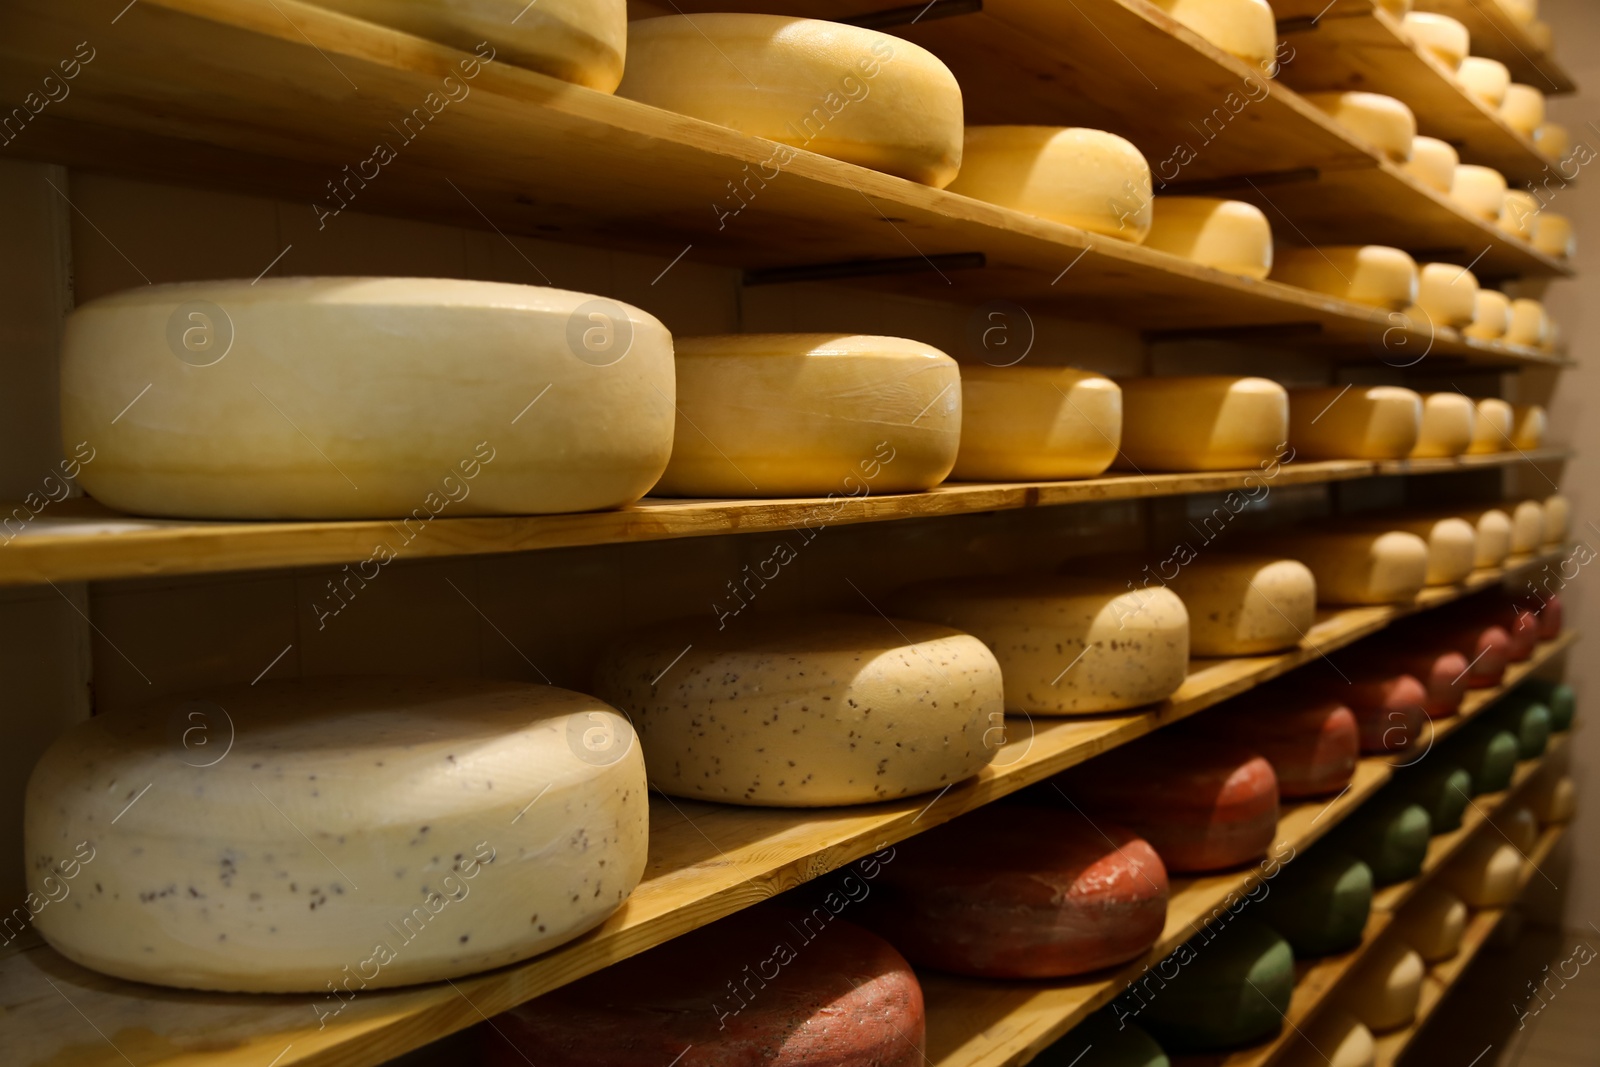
column 1361, row 567
column 811, row 414
column 1243, row 605
column 1334, row 1039
column 1557, row 519
column 1559, row 697
column 1313, row 746
column 805, row 711
column 1203, row 423
column 1448, row 294
column 1104, row 1041
column 579, row 41
column 298, row 398
column 1529, row 424
column 1527, row 528
column 355, row 830
column 1019, row 891
column 1520, row 827
column 1553, row 799
column 1375, row 275
column 1452, row 544
column 1440, row 36
column 1066, row 644
column 1486, row 79
column 1553, row 141
column 1386, row 987
column 1494, row 533
column 1446, row 430
column 1441, row 673
column 1523, row 108
column 1354, row 422
column 1229, row 235
column 1090, row 179
column 1492, row 431
column 1433, row 922
column 1391, row 838
column 1388, row 708
column 1233, row 990
column 1480, row 190
column 1320, row 903
column 1444, row 791
column 1245, row 29
column 1491, row 758
column 1023, row 423
column 1530, row 324
column 1487, row 873
column 855, row 94
column 1433, row 163
column 1554, row 235
column 1519, row 214
column 772, row 986
column 1491, row 316
column 1382, row 121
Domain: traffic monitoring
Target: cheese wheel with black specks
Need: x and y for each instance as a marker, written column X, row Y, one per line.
column 1481, row 191
column 1441, row 36
column 1486, row 873
column 1491, row 316
column 1021, row 423
column 1382, row 121
column 1334, row 1039
column 1320, row 903
column 1091, row 179
column 1231, row 991
column 1375, row 275
column 1313, row 746
column 1391, row 838
column 1244, row 605
column 1444, row 791
column 1486, row 79
column 1554, row 235
column 1557, row 519
column 1553, row 799
column 1529, row 424
column 1354, row 422
column 1432, row 922
column 1358, row 566
column 1245, row 29
column 1530, row 324
column 1447, row 424
column 1203, row 423
column 1433, row 163
column 1491, row 432
column 1230, row 235
column 1523, row 108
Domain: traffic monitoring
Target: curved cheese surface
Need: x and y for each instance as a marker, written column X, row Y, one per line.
column 1439, row 35
column 1486, row 873
column 1386, row 988
column 1553, row 799
column 1365, row 274
column 1445, row 792
column 1447, row 425
column 810, row 414
column 1486, row 79
column 1519, row 214
column 1553, row 140
column 1520, row 828
column 1527, row 528
column 1228, row 992
column 1023, row 423
column 1433, row 923
column 1382, row 121
column 1334, row 1039
column 854, row 94
column 1557, row 519
column 1491, row 759
column 298, row 398
column 1392, row 840
column 1531, row 723
column 1245, row 29
column 1494, row 535
column 1523, row 108
column 1243, row 605
column 1479, row 190
column 1354, row 422
column 1322, row 904
column 1448, row 294
column 1229, row 235
column 1492, row 430
column 1554, row 235
column 1433, row 162
column 346, row 814
column 1530, row 324
column 1491, row 316
column 1452, row 544
column 1203, row 423
column 1529, row 423
column 1361, row 567
column 1389, row 709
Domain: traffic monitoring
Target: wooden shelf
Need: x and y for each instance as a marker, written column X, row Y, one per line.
column 1539, row 457
column 1497, row 36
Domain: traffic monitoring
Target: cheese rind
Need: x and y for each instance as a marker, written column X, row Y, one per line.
column 1433, row 162
column 1557, row 519
column 1554, row 235
column 1486, row 79
column 1452, row 544
column 1322, row 903
column 1486, row 873
column 1433, row 922
column 1382, row 121
column 1491, row 431
column 1553, row 799
column 1024, row 423
column 1494, row 535
column 1245, row 29
column 1523, row 108
column 1447, row 425
column 1361, row 567
column 1229, row 235
column 1354, row 422
column 1243, row 605
column 1530, row 324
column 1439, row 35
column 1232, row 991
column 1491, row 759
column 1389, row 710
column 1491, row 316
column 1392, row 840
column 1519, row 215
column 1334, row 1039
column 1527, row 528
column 1203, row 423
column 1386, row 987
column 1553, row 140
column 1444, row 792
column 1479, row 190
column 1529, row 424
column 340, row 815
column 1520, row 827
column 1365, row 274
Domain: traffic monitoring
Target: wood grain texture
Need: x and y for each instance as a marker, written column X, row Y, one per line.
column 1496, row 35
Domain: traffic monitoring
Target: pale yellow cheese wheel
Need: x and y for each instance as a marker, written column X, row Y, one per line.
column 1557, row 519
column 1494, row 535
column 1529, row 424
column 1522, row 12
column 1433, row 162
column 1479, row 190
column 1433, row 921
column 1491, row 316
column 1542, row 34
column 1354, row 422
column 1245, row 605
column 579, row 41
column 1202, row 423
column 1487, row 79
column 1447, row 424
column 347, row 398
column 1381, row 121
column 1361, row 566
column 1025, row 423
column 1527, row 528
column 1530, row 324
column 1090, row 179
column 1447, row 294
column 1365, row 274
column 1067, row 644
column 1385, row 988
column 1519, row 214
column 807, row 710
column 1554, row 235
column 1523, row 108
column 1439, row 35
column 1229, row 235
column 1553, row 799
column 1452, row 543
column 1520, row 828
column 799, row 414
column 1335, row 1038
column 1246, row 29
column 1492, row 431
column 1553, row 141
column 854, row 94
column 1486, row 873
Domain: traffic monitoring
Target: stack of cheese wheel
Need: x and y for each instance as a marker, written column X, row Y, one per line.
column 1381, row 121
column 1485, row 79
column 1528, row 426
column 1441, row 36
column 904, row 117
column 805, row 711
column 1523, row 108
column 1335, row 1038
column 1229, row 235
column 1066, row 645
column 1557, row 518
column 1481, row 191
column 1018, row 891
column 1375, row 275
column 1360, row 566
column 1024, row 423
column 1320, row 903
column 1552, row 798
column 1229, row 989
column 1385, row 988
column 1090, row 179
column 1486, row 873
column 828, row 992
column 1559, row 697
column 810, row 414
column 1529, row 325
column 1492, row 429
column 331, row 811
column 1312, row 744
column 1244, row 605
column 1432, row 922
column 1354, row 422
column 1245, row 29
column 1390, row 836
column 1433, row 163
column 1444, row 790
column 265, row 400
column 1448, row 420
column 1389, row 707
column 1490, row 756
column 1491, row 316
column 1494, row 534
column 1447, row 295
column 1203, row 423
column 1442, row 672
column 1104, row 1040
column 1452, row 542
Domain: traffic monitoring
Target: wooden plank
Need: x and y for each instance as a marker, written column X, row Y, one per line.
column 1497, row 36
column 1538, row 457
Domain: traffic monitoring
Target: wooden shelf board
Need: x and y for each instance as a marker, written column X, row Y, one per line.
column 1497, row 36
column 1541, row 456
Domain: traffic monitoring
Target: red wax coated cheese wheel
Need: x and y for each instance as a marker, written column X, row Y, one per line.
column 1524, row 633
column 1443, row 675
column 1389, row 709
column 1022, row 891
column 1550, row 620
column 771, row 986
column 1487, row 649
column 1313, row 748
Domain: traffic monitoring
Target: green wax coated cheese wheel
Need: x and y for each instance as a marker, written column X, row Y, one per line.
column 1229, row 991
column 1558, row 697
column 1101, row 1041
column 1491, row 759
column 1445, row 791
column 1392, row 840
column 1531, row 724
column 1320, row 903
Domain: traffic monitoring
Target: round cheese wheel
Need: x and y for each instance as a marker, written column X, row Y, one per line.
column 771, row 985
column 1382, row 121
column 1553, row 141
column 1320, row 903
column 854, row 94
column 1519, row 214
column 1531, row 724
column 579, row 41
column 1443, row 674
column 1523, row 108
column 265, row 401
column 1519, row 827
column 1364, row 274
column 1245, row 29
column 1313, row 746
column 808, row 414
column 1527, row 528
column 1388, row 708
column 1487, row 649
column 1554, row 235
column 1066, row 644
column 348, row 824
column 1481, row 191
column 1492, row 524
column 1530, row 324
column 1446, row 428
column 1492, row 430
column 1528, row 427
column 1518, row 621
column 1243, row 605
column 1229, row 235
column 1016, row 891
column 1452, row 543
column 1444, row 792
column 1522, row 12
column 1202, row 423
column 1550, row 626
column 1487, row 873
column 1391, row 838
column 1359, row 566
column 1334, row 1039
column 1491, row 758
column 1104, row 1040
column 1557, row 519
column 1559, row 697
column 1090, row 179
column 1386, row 987
column 1354, row 422
column 1433, row 163
column 805, row 711
column 1491, row 316
column 1486, row 79
column 1230, row 991
column 1022, row 423
column 1542, row 34
column 1433, row 922
column 1440, row 36
column 1553, row 799
column 1448, row 294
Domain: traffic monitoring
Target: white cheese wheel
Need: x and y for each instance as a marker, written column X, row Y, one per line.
column 1386, row 986
column 340, row 815
column 842, row 91
column 1024, row 423
column 1486, row 79
column 1520, row 827
column 1487, row 873
column 1557, row 519
column 1452, row 543
column 1382, row 121
column 1433, row 922
column 798, row 414
column 579, row 41
column 1365, row 274
column 1244, row 605
column 1447, row 423
column 1494, row 535
column 1553, row 140
column 1229, row 235
column 1529, row 326
column 1527, row 528
column 1554, row 799
column 347, row 398
column 1447, row 294
column 1433, row 162
column 1067, row 644
column 1529, row 424
column 1522, row 12
column 804, row 711
column 1491, row 316
column 1519, row 214
column 1354, row 422
column 1439, row 35
column 1334, row 1039
column 1523, row 108
column 1492, row 431
column 1246, row 29
column 1090, row 179
column 1202, row 423
column 1361, row 566
column 1554, row 235
column 1480, row 191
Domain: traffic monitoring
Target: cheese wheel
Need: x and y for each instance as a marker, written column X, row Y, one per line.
column 1487, row 649
column 1487, row 873
column 1559, row 697
column 1203, row 423
column 1024, row 423
column 1519, row 827
column 1452, row 543
column 1550, row 615
column 1553, row 799
column 1557, row 519
column 1320, row 903
column 1528, row 427
column 1494, row 532
column 1382, row 121
column 1433, row 922
column 1486, row 79
column 1440, row 36
column 1522, row 12
column 1313, row 746
column 1441, row 672
column 1518, row 620
column 1481, row 191
column 1066, row 644
column 1447, row 425
column 1334, row 1039
column 1542, row 34
column 1491, row 758
column 1491, row 432
column 1529, row 325
column 866, row 709
column 1229, row 235
column 827, row 992
column 790, row 414
column 344, row 814
column 1491, row 316
column 1360, row 566
column 1016, row 891
column 1531, row 724
column 1090, row 179
column 854, row 94
column 1364, row 274
column 1433, row 163
column 1388, row 708
column 1523, row 108
column 1245, row 29
column 1554, row 236
column 1527, row 528
column 1553, row 141
column 579, row 41
column 1231, row 991
column 1386, row 987
column 1519, row 215
column 299, row 398
column 1243, row 605
column 1443, row 792
column 1354, row 422
column 1391, row 838
column 1104, row 1041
